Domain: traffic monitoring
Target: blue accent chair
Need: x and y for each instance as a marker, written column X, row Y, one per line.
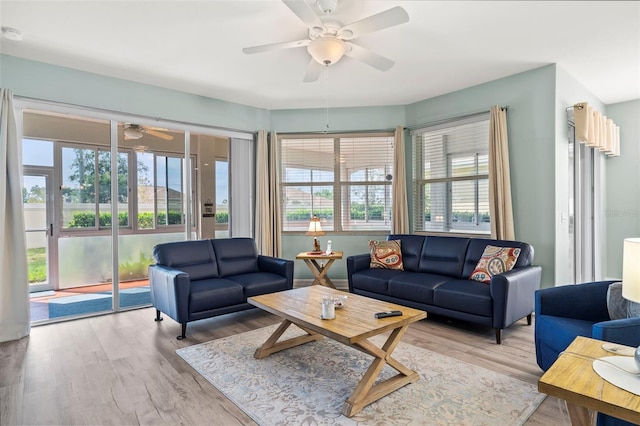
column 563, row 313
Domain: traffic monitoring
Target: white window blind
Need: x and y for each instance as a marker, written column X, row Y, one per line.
column 451, row 176
column 344, row 180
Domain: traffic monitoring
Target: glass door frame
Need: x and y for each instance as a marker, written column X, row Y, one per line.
column 51, row 232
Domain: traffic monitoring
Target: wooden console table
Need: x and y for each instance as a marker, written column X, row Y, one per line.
column 573, row 379
column 320, row 270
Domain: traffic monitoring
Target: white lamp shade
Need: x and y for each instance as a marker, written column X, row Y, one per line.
column 631, row 270
column 314, row 228
column 327, row 50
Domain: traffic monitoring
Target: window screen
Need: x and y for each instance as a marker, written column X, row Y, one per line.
column 451, row 176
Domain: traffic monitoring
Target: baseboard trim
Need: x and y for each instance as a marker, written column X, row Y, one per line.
column 340, row 284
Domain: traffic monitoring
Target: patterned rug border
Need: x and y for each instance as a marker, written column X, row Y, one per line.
column 370, row 415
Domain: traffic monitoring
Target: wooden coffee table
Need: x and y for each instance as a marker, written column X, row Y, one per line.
column 573, row 379
column 353, row 325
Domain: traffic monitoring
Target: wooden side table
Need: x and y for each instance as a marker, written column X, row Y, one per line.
column 572, row 378
column 320, row 271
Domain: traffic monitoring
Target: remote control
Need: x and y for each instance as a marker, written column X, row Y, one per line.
column 388, row 314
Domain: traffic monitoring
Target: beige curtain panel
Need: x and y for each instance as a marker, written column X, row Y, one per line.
column 400, row 212
column 596, row 130
column 267, row 226
column 14, row 277
column 500, row 207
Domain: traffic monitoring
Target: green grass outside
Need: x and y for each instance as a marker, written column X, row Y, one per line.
column 37, row 260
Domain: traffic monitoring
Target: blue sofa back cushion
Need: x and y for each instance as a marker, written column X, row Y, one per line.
column 443, row 255
column 477, row 246
column 236, row 256
column 411, row 246
column 196, row 258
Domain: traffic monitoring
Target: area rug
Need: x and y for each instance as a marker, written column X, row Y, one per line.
column 308, row 384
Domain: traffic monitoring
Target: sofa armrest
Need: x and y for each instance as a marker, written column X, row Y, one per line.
column 278, row 266
column 356, row 263
column 580, row 301
column 623, row 331
column 513, row 294
column 170, row 289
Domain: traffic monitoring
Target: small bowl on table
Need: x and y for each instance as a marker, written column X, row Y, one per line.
column 339, row 301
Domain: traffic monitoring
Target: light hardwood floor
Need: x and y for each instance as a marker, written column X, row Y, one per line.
column 122, row 369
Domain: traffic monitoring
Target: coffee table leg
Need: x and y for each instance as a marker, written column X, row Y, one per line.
column 272, row 345
column 365, row 392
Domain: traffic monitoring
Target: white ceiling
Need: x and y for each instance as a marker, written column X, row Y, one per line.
column 196, row 47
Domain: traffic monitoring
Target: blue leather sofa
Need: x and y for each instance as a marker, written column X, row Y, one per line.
column 199, row 279
column 565, row 312
column 436, row 279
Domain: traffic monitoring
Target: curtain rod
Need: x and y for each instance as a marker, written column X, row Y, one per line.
column 337, row 132
column 451, row 119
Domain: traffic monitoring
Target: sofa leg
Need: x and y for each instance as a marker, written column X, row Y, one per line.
column 158, row 317
column 529, row 319
column 184, row 331
column 498, row 336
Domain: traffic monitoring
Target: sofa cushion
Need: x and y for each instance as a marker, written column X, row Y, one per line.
column 385, row 255
column 494, row 260
column 476, row 248
column 472, row 297
column 411, row 247
column 214, row 293
column 195, row 258
column 374, row 280
column 260, row 283
column 236, row 256
column 443, row 255
column 415, row 286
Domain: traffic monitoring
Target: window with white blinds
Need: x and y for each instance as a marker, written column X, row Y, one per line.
column 451, row 176
column 344, row 180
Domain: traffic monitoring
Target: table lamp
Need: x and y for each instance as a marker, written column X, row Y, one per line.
column 631, row 276
column 315, row 230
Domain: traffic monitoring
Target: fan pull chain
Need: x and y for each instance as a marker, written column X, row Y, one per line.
column 326, row 92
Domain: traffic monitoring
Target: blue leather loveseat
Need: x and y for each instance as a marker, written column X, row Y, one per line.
column 436, row 279
column 199, row 279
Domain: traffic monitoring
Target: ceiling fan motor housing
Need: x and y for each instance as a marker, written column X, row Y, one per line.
column 327, row 6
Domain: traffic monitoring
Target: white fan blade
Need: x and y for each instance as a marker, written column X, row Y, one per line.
column 160, row 135
column 304, row 12
column 275, row 46
column 377, row 22
column 368, row 57
column 314, row 69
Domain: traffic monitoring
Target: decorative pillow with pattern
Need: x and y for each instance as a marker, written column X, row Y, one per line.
column 385, row 255
column 494, row 260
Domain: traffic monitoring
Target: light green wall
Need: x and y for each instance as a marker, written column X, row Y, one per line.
column 531, row 120
column 536, row 101
column 53, row 83
column 623, row 184
column 340, row 119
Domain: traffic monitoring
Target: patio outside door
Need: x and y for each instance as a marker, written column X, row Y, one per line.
column 38, row 217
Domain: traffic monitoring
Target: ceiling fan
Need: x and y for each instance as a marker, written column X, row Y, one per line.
column 136, row 131
column 329, row 41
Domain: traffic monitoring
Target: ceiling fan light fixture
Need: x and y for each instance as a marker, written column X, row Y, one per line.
column 327, row 50
column 133, row 133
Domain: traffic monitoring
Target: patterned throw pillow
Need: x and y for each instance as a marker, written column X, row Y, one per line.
column 385, row 254
column 494, row 260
